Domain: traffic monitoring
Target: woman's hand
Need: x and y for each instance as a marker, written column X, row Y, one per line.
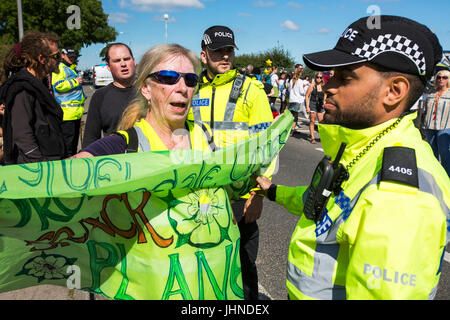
column 82, row 154
column 264, row 184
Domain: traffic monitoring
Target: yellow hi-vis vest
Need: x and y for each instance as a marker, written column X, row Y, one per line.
column 148, row 139
column 379, row 238
column 231, row 121
column 68, row 92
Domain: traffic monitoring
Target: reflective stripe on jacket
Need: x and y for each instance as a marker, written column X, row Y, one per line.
column 378, row 239
column 68, row 92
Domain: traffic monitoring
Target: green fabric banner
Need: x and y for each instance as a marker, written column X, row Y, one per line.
column 154, row 225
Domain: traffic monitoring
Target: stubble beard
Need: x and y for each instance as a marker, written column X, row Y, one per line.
column 356, row 116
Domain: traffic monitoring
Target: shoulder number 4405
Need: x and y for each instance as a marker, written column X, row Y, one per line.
column 401, row 170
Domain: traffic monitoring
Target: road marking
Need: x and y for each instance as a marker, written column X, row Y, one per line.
column 262, row 290
column 447, row 257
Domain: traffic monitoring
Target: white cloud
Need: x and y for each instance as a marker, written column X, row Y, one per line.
column 288, row 24
column 323, row 31
column 118, row 17
column 163, row 5
column 295, row 5
column 261, row 3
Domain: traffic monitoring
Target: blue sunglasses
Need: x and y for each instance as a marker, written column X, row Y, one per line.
column 171, row 77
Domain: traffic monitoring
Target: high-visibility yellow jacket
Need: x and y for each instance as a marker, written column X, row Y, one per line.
column 148, row 139
column 232, row 121
column 68, row 92
column 379, row 238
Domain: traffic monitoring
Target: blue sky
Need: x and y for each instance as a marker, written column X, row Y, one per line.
column 300, row 26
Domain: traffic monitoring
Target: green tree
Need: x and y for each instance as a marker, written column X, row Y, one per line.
column 5, row 46
column 307, row 72
column 279, row 56
column 51, row 15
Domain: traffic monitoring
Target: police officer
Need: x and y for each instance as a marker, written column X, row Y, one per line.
column 235, row 107
column 68, row 91
column 373, row 220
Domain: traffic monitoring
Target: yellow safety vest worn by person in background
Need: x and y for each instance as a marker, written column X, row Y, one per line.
column 68, row 92
column 234, row 106
column 384, row 235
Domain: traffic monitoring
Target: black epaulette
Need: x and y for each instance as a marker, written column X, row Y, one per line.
column 399, row 165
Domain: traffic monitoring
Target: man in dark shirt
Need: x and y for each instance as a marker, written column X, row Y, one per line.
column 107, row 104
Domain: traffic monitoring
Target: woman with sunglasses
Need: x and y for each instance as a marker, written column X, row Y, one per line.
column 437, row 118
column 315, row 97
column 201, row 221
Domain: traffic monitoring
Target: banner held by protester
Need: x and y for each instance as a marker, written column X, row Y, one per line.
column 135, row 226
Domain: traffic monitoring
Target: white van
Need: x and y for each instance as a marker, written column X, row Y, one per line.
column 102, row 76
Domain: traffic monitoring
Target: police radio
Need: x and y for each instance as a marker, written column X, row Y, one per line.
column 327, row 179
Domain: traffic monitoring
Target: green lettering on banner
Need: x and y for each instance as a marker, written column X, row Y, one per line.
column 44, row 212
column 176, row 272
column 235, row 271
column 201, row 261
column 121, row 295
column 172, row 182
column 67, row 173
column 23, row 207
column 98, row 264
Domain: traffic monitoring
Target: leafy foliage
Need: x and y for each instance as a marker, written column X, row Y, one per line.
column 51, row 15
column 279, row 56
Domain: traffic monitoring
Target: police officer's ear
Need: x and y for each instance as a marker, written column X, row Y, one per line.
column 203, row 56
column 396, row 90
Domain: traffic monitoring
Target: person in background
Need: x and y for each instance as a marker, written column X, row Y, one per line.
column 437, row 119
column 68, row 92
column 297, row 94
column 283, row 89
column 257, row 73
column 233, row 118
column 107, row 104
column 274, row 83
column 32, row 121
column 314, row 100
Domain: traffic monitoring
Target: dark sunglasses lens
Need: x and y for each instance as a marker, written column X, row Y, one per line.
column 191, row 79
column 441, row 77
column 168, row 77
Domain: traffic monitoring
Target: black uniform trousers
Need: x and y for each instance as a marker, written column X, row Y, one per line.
column 248, row 251
column 71, row 133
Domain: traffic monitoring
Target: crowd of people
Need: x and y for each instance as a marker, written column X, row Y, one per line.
column 361, row 102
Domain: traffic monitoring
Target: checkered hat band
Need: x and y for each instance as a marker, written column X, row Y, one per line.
column 395, row 43
column 206, row 39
